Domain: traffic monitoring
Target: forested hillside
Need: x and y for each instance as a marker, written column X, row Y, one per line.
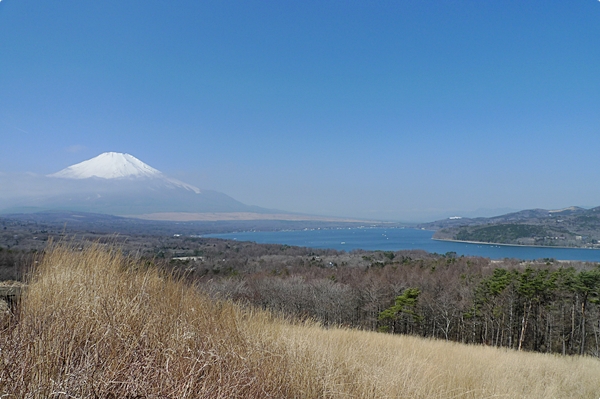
column 570, row 227
column 95, row 324
column 545, row 306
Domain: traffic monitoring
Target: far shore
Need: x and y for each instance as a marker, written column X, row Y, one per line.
column 241, row 216
column 510, row 245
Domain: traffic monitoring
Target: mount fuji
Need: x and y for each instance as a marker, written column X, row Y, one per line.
column 116, row 184
column 109, row 165
column 115, row 165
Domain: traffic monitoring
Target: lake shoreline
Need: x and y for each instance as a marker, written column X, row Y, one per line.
column 510, row 245
column 398, row 239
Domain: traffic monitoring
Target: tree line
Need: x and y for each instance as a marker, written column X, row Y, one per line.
column 543, row 306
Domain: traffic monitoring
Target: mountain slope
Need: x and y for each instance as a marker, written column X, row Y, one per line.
column 118, row 166
column 109, row 165
column 568, row 227
column 113, row 183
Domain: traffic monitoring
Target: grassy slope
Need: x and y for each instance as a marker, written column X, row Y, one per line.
column 95, row 325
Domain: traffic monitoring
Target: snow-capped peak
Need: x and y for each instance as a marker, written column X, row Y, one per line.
column 116, row 165
column 109, row 165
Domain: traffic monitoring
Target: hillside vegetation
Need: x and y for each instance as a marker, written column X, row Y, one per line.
column 94, row 324
column 545, row 305
column 569, row 227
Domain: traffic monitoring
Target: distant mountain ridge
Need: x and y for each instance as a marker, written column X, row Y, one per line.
column 567, row 227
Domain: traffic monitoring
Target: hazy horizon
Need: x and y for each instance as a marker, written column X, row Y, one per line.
column 408, row 111
column 19, row 188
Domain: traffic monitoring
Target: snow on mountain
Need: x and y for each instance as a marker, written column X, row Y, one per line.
column 109, row 165
column 115, row 165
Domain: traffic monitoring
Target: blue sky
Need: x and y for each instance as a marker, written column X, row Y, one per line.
column 398, row 110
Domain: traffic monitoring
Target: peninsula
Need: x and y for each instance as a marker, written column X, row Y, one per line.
column 572, row 227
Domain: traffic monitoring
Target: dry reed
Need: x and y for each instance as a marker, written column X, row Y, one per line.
column 93, row 324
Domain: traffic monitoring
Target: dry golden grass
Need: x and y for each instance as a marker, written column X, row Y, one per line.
column 95, row 325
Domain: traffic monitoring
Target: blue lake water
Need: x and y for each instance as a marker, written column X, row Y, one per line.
column 396, row 239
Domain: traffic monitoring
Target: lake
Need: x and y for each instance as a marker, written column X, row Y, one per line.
column 396, row 239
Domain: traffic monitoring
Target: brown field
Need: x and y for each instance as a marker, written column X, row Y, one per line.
column 93, row 324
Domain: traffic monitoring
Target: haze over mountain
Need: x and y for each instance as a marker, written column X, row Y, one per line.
column 114, row 183
column 120, row 184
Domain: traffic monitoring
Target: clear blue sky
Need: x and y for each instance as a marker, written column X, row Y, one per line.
column 402, row 110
